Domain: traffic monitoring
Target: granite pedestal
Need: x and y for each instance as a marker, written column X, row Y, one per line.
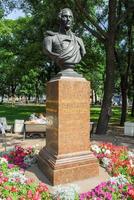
column 66, row 156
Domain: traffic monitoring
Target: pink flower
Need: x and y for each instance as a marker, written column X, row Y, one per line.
column 1, row 181
column 36, row 196
column 9, row 198
column 10, row 166
column 29, row 194
column 42, row 187
column 1, row 174
column 131, row 192
column 6, row 157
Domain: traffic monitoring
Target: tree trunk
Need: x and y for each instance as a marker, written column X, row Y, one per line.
column 13, row 88
column 110, row 69
column 124, row 87
column 37, row 93
column 132, row 111
column 95, row 97
column 2, row 98
column 26, row 99
column 124, row 77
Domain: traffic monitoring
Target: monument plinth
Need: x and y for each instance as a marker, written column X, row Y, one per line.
column 66, row 156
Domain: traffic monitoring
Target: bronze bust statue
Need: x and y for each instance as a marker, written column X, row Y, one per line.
column 63, row 47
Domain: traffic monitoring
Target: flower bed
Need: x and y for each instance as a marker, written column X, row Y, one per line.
column 13, row 183
column 22, row 157
column 118, row 161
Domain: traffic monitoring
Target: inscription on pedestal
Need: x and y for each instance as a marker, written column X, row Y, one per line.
column 67, row 106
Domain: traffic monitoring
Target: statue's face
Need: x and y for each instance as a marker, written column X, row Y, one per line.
column 66, row 19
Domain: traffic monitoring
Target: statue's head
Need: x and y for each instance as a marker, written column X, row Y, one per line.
column 66, row 18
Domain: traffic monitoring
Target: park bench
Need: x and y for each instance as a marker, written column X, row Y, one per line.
column 34, row 130
column 3, row 121
column 3, row 129
column 129, row 128
column 18, row 126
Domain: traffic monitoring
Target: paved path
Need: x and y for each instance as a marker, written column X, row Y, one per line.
column 84, row 185
column 120, row 140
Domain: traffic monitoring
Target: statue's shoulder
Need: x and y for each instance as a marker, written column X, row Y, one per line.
column 50, row 33
column 78, row 39
column 49, row 36
column 81, row 44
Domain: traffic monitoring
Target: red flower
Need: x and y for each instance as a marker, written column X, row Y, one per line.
column 22, row 198
column 14, row 189
column 5, row 179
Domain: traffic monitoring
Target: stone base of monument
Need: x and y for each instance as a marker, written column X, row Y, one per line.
column 67, row 168
column 66, row 157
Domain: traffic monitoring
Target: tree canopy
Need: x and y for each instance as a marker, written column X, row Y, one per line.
column 107, row 30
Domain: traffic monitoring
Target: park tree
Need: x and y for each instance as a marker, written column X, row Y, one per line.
column 20, row 53
column 124, row 54
column 8, row 70
column 40, row 23
column 92, row 67
column 132, row 111
column 81, row 9
column 31, row 64
column 99, row 18
column 105, row 36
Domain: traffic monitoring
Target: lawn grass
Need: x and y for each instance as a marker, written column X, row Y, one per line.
column 116, row 114
column 19, row 111
column 24, row 111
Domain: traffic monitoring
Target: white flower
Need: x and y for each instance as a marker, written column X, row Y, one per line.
column 95, row 148
column 107, row 151
column 37, row 151
column 106, row 161
column 103, row 150
column 65, row 192
column 131, row 154
column 17, row 175
column 3, row 160
column 121, row 179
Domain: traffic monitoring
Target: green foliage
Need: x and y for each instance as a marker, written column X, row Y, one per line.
column 21, row 55
column 28, row 83
column 24, row 67
column 92, row 66
column 27, row 54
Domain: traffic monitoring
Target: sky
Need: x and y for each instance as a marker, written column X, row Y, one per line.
column 15, row 14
